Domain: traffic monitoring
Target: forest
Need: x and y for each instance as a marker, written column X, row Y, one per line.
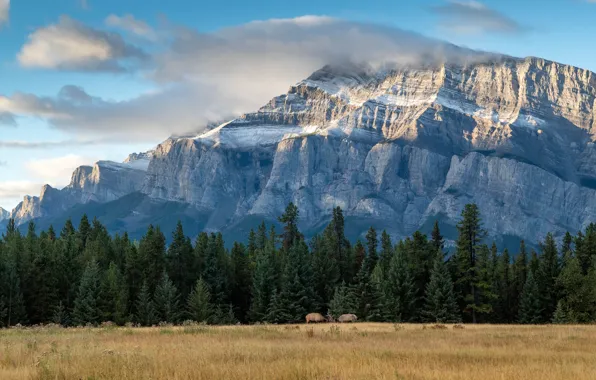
column 84, row 276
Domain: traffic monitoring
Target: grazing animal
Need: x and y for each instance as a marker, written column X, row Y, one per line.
column 348, row 318
column 315, row 318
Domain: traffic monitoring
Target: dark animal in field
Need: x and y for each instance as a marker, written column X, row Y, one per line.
column 347, row 318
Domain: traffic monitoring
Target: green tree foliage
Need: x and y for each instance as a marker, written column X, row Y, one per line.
column 145, row 313
column 342, row 301
column 198, row 305
column 530, row 307
column 440, row 303
column 469, row 274
column 167, row 300
column 86, row 304
column 84, row 275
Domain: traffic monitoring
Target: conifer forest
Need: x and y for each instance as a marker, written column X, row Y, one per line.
column 84, row 276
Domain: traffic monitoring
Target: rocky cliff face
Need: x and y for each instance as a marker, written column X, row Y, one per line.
column 103, row 182
column 396, row 148
column 403, row 146
column 4, row 214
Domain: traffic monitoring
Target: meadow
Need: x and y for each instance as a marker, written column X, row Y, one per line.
column 324, row 351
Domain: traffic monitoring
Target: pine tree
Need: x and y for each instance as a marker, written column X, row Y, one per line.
column 386, row 251
column 86, row 308
column 400, row 293
column 145, row 313
column 342, row 302
column 325, row 273
column 264, row 283
column 359, row 255
column 440, row 304
column 294, row 300
column 152, row 254
column 198, row 304
column 530, row 309
column 113, row 296
column 546, row 277
column 60, row 315
column 166, row 299
column 468, row 242
column 520, row 270
column 290, row 220
column 181, row 261
column 84, row 230
column 371, row 244
column 242, row 276
column 437, row 242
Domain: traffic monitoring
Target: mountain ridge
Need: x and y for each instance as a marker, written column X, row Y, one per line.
column 403, row 144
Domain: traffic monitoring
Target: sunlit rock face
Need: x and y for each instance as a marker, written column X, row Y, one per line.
column 394, row 147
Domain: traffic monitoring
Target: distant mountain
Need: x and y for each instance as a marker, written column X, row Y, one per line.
column 396, row 148
column 4, row 214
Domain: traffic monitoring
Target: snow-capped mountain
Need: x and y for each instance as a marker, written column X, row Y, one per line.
column 395, row 148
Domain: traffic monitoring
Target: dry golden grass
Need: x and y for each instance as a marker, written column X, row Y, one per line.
column 358, row 351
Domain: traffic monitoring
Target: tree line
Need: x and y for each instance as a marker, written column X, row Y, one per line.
column 85, row 276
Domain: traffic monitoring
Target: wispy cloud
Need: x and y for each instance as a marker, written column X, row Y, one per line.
column 131, row 24
column 473, row 17
column 4, row 12
column 56, row 170
column 71, row 45
column 7, row 119
column 200, row 78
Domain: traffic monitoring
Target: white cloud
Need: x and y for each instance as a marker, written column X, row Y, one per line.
column 56, row 171
column 7, row 119
column 473, row 17
column 12, row 191
column 70, row 45
column 4, row 11
column 200, row 78
column 131, row 24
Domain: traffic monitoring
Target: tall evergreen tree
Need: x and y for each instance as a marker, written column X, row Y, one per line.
column 86, row 308
column 198, row 304
column 440, row 304
column 530, row 309
column 181, row 261
column 167, row 300
column 546, row 277
column 152, row 253
column 400, row 292
column 145, row 313
column 113, row 296
column 342, row 302
column 470, row 236
column 241, row 288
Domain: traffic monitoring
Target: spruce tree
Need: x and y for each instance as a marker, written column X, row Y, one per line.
column 167, row 301
column 546, row 277
column 371, row 245
column 86, row 307
column 440, row 304
column 342, row 302
column 400, row 293
column 437, row 242
column 181, row 261
column 520, row 270
column 242, row 278
column 198, row 305
column 145, row 313
column 152, row 254
column 264, row 283
column 530, row 309
column 113, row 296
column 294, row 300
column 470, row 236
column 386, row 251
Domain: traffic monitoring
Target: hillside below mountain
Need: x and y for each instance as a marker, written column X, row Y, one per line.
column 396, row 148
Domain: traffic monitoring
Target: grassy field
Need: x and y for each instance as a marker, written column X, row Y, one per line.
column 326, row 351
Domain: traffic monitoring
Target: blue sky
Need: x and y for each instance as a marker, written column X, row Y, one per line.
column 98, row 79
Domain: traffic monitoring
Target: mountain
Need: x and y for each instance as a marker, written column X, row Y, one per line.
column 396, row 148
column 4, row 214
